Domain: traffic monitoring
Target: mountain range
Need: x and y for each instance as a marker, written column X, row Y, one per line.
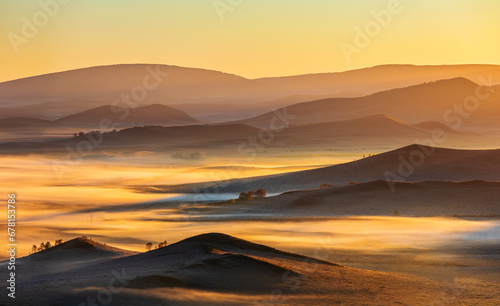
column 56, row 95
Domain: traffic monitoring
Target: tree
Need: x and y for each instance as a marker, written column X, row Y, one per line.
column 58, row 241
column 243, row 196
column 48, row 245
column 260, row 193
column 34, row 249
column 42, row 247
column 162, row 244
column 149, row 246
column 250, row 195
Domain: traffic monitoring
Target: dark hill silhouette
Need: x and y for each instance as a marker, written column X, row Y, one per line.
column 424, row 102
column 216, row 265
column 155, row 114
column 79, row 248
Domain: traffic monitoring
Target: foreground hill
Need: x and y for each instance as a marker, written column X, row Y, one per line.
column 78, row 252
column 435, row 101
column 412, row 163
column 55, row 95
column 217, row 269
column 81, row 249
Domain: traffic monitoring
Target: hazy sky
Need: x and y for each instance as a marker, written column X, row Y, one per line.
column 251, row 38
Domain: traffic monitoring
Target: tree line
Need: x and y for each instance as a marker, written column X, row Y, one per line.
column 44, row 246
column 149, row 245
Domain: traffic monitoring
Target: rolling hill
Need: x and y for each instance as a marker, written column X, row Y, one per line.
column 155, row 114
column 435, row 101
column 377, row 132
column 417, row 199
column 26, row 124
column 55, row 95
column 219, row 269
column 413, row 163
column 372, row 131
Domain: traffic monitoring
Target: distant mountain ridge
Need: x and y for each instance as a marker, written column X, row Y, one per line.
column 435, row 101
column 63, row 93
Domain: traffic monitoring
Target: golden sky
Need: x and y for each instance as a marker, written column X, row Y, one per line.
column 251, row 38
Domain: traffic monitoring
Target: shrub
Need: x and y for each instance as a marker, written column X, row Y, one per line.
column 246, row 195
column 243, row 196
column 250, row 195
column 260, row 193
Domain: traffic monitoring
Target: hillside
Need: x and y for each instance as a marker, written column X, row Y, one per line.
column 429, row 164
column 210, row 267
column 415, row 104
column 78, row 248
column 377, row 198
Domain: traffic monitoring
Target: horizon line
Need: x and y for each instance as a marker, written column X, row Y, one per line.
column 230, row 73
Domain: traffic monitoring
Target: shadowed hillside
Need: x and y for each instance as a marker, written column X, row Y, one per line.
column 383, row 198
column 425, row 102
column 213, row 265
column 429, row 163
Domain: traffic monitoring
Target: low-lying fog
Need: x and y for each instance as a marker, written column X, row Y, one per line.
column 50, row 207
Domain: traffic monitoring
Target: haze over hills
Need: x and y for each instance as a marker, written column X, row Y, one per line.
column 413, row 163
column 209, row 268
column 217, row 113
column 59, row 94
column 436, row 101
column 258, row 153
column 372, row 132
column 26, row 123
